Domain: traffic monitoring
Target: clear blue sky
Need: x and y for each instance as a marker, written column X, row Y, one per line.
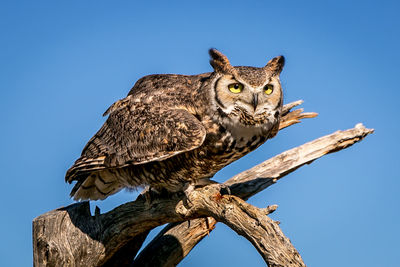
column 63, row 63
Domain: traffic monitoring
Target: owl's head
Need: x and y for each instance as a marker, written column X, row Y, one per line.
column 248, row 95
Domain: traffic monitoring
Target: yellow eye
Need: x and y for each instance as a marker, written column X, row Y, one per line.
column 235, row 88
column 268, row 89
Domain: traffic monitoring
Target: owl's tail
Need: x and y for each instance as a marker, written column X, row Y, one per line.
column 95, row 186
column 93, row 179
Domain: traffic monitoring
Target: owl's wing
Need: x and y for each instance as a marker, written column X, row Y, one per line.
column 136, row 133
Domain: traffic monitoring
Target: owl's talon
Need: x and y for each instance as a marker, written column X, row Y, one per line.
column 188, row 189
column 225, row 188
column 147, row 198
column 209, row 229
column 151, row 193
column 147, row 195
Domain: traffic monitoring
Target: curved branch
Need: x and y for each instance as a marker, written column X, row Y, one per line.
column 245, row 185
column 290, row 117
column 71, row 236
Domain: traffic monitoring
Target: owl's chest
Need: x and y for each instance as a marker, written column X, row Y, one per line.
column 221, row 147
column 225, row 144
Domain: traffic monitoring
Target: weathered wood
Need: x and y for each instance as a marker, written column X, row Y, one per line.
column 290, row 117
column 254, row 225
column 67, row 237
column 72, row 237
column 126, row 254
column 245, row 185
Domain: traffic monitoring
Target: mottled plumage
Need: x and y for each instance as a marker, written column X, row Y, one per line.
column 175, row 129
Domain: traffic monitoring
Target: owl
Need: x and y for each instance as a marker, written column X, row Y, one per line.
column 174, row 130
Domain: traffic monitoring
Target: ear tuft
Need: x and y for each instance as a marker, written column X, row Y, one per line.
column 275, row 65
column 219, row 61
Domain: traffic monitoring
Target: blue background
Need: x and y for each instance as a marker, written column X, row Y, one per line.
column 63, row 63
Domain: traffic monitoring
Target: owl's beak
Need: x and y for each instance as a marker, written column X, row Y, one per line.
column 255, row 101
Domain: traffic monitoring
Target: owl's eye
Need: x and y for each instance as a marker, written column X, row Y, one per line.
column 268, row 89
column 235, row 87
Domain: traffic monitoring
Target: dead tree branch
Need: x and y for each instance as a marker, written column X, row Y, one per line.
column 245, row 185
column 72, row 236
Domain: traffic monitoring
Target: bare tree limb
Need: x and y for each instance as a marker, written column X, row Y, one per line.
column 71, row 236
column 290, row 117
column 52, row 231
column 245, row 185
column 126, row 254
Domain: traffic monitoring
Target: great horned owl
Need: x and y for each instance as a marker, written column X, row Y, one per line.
column 172, row 130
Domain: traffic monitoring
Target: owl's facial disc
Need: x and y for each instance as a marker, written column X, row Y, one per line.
column 247, row 103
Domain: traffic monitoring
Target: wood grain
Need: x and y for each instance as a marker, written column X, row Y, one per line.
column 245, row 185
column 71, row 236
